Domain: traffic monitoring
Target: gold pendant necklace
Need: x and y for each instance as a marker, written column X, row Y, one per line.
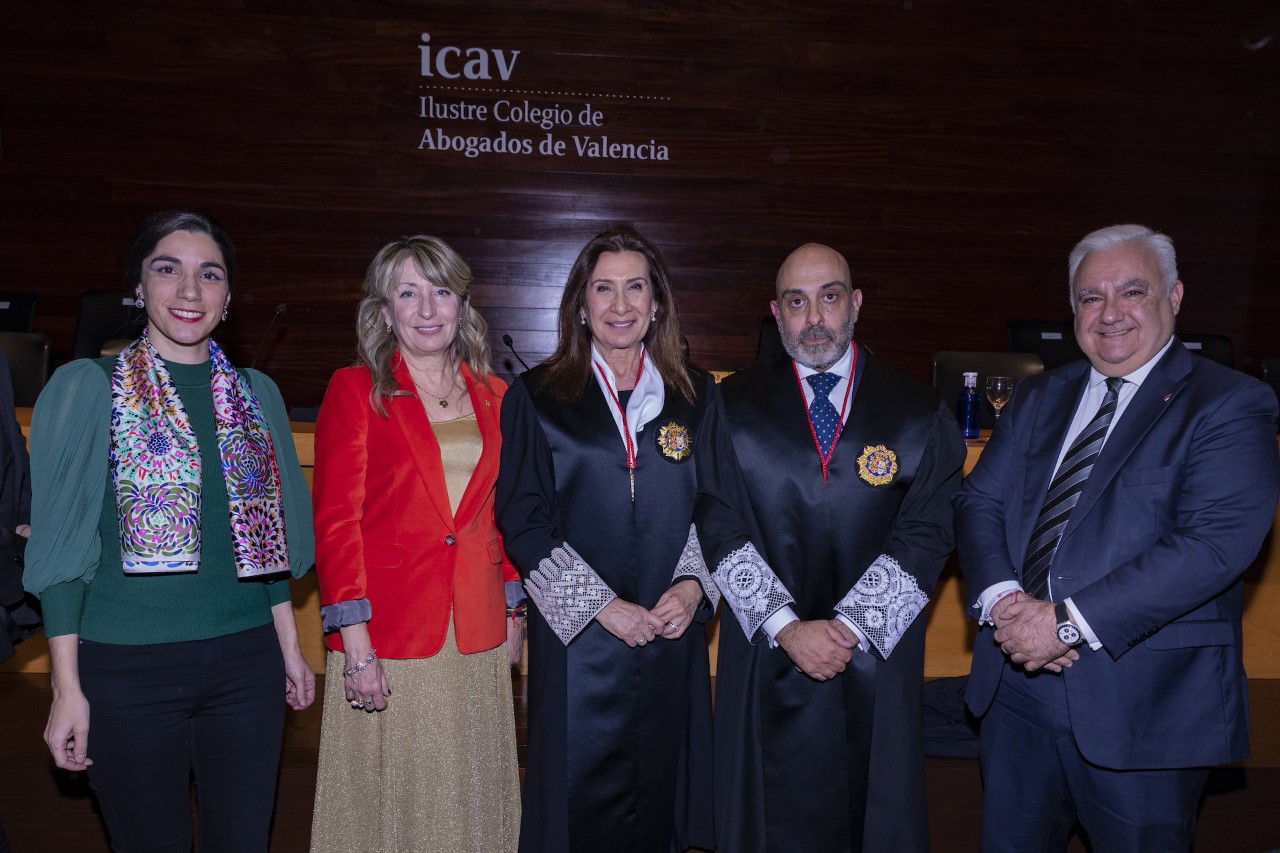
column 444, row 401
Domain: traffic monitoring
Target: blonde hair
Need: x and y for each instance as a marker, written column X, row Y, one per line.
column 376, row 343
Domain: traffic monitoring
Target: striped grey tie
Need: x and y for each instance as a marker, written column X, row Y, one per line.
column 1064, row 492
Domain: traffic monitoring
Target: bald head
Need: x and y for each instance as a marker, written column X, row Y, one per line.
column 816, row 306
column 811, row 262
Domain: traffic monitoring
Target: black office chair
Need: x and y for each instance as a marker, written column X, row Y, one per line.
column 1053, row 340
column 17, row 311
column 769, row 344
column 28, row 356
column 105, row 315
column 1216, row 347
column 950, row 366
column 1271, row 376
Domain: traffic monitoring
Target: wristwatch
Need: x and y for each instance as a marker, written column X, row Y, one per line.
column 1068, row 634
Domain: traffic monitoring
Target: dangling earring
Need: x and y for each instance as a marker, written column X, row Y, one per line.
column 582, row 319
column 224, row 313
column 388, row 328
column 653, row 316
column 139, row 302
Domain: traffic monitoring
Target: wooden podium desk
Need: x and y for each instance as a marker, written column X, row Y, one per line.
column 948, row 643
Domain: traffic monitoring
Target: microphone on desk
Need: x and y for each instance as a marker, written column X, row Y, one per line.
column 506, row 339
column 280, row 309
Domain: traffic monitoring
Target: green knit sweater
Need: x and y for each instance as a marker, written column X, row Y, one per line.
column 73, row 558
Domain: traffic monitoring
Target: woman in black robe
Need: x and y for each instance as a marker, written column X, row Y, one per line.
column 595, row 502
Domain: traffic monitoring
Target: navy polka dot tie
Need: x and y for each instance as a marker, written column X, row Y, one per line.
column 821, row 412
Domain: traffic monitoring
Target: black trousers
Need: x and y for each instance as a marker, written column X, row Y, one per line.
column 160, row 713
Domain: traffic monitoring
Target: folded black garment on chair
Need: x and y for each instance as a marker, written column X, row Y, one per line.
column 19, row 612
column 950, row 731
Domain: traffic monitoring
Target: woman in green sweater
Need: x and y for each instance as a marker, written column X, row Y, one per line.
column 168, row 509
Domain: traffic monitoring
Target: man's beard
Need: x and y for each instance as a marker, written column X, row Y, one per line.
column 817, row 347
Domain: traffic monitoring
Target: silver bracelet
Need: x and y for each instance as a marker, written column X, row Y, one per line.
column 368, row 659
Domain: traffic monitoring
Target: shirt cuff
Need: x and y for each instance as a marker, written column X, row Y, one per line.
column 781, row 618
column 863, row 643
column 1087, row 632
column 991, row 595
column 340, row 614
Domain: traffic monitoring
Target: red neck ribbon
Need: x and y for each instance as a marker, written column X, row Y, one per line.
column 825, row 455
column 626, row 429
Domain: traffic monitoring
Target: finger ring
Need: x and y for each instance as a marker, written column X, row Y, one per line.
column 356, row 703
column 674, row 626
column 640, row 641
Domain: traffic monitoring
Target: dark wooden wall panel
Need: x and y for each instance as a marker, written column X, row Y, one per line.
column 954, row 149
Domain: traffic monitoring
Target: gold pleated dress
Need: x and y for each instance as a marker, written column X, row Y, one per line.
column 437, row 770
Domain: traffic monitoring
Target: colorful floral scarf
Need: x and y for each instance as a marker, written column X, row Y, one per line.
column 155, row 464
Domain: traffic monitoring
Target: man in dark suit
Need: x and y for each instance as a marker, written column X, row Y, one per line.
column 1103, row 535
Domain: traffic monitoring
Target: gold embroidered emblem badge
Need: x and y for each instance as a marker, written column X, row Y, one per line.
column 675, row 442
column 878, row 465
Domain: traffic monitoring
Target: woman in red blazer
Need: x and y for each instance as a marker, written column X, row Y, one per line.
column 417, row 595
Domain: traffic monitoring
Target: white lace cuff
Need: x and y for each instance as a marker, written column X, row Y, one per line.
column 567, row 592
column 692, row 564
column 883, row 603
column 751, row 588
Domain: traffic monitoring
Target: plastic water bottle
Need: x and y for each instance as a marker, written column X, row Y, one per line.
column 969, row 406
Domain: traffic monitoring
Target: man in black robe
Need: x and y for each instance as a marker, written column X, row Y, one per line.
column 824, row 486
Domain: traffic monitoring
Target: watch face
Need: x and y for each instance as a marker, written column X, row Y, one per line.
column 1069, row 634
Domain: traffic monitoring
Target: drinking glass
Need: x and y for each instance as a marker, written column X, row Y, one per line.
column 999, row 389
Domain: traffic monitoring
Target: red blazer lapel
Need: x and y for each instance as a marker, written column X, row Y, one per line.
column 420, row 439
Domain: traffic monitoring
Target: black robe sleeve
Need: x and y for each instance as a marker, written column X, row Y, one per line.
column 563, row 587
column 722, row 526
column 921, row 539
column 525, row 503
column 751, row 588
column 895, row 588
